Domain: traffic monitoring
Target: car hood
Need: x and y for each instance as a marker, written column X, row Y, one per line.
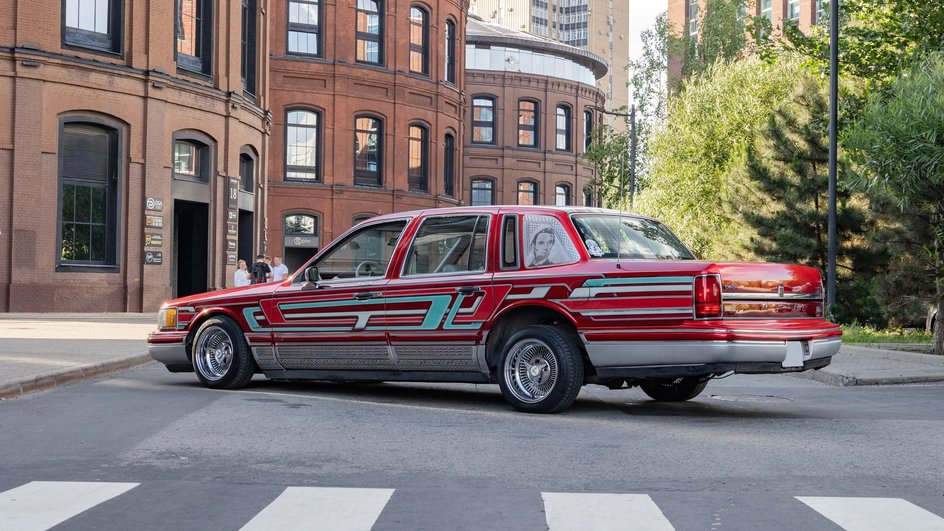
column 202, row 299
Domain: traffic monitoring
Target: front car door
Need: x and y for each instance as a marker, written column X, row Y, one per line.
column 336, row 324
column 442, row 296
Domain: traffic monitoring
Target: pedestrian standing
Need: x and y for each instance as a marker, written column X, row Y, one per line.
column 241, row 277
column 279, row 270
column 260, row 270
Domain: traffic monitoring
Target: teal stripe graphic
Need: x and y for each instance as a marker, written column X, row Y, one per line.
column 601, row 282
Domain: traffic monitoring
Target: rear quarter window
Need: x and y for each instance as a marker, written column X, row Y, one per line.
column 546, row 243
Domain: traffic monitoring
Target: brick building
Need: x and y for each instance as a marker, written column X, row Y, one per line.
column 532, row 110
column 132, row 136
column 367, row 107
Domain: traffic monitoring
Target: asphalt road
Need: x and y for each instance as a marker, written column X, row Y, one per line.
column 752, row 452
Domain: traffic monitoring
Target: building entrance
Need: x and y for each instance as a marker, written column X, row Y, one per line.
column 191, row 241
column 246, row 237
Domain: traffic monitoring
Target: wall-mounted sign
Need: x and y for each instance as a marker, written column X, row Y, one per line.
column 230, row 245
column 154, row 222
column 233, row 193
column 153, row 257
column 230, row 258
column 155, row 204
column 301, row 241
column 231, row 215
column 153, row 240
column 232, row 229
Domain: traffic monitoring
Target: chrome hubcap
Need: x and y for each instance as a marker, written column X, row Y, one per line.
column 214, row 353
column 531, row 370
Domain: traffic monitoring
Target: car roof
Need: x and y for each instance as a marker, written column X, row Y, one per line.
column 494, row 209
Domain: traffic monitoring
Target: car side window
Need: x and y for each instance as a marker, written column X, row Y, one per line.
column 365, row 253
column 509, row 242
column 448, row 244
column 547, row 243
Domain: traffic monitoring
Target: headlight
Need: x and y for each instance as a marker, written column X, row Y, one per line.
column 167, row 319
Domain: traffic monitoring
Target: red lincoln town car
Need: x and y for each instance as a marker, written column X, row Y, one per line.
column 541, row 300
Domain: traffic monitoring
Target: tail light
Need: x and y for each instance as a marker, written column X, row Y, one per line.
column 708, row 297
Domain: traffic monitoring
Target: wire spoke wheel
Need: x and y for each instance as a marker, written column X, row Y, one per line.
column 213, row 353
column 531, row 368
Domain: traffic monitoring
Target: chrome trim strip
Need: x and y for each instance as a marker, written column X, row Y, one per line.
column 731, row 331
column 169, row 353
column 771, row 296
column 667, row 353
column 638, row 311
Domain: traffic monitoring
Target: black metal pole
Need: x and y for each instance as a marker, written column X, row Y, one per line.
column 632, row 155
column 833, row 100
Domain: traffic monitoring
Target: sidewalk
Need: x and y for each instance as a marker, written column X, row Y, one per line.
column 41, row 351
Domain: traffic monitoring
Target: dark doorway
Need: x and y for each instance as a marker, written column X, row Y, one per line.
column 295, row 257
column 246, row 236
column 191, row 241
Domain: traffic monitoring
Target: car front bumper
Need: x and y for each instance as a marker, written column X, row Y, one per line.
column 171, row 350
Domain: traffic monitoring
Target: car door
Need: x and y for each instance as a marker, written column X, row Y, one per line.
column 336, row 323
column 442, row 296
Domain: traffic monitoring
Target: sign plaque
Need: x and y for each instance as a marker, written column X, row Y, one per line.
column 154, row 222
column 230, row 258
column 233, row 193
column 153, row 257
column 153, row 240
column 154, row 204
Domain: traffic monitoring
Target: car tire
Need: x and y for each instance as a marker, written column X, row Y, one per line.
column 678, row 390
column 541, row 370
column 221, row 356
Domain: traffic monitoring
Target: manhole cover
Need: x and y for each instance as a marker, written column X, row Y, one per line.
column 750, row 398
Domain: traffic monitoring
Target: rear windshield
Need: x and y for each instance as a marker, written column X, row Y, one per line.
column 606, row 236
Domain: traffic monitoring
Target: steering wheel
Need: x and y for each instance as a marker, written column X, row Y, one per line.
column 368, row 268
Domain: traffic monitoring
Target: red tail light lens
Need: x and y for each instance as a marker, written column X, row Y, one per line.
column 708, row 297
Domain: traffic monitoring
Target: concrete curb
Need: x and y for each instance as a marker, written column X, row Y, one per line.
column 52, row 379
column 844, row 380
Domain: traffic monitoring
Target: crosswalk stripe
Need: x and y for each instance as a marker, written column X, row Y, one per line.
column 874, row 514
column 39, row 505
column 315, row 508
column 585, row 512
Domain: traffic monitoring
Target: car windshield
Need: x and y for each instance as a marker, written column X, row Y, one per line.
column 609, row 236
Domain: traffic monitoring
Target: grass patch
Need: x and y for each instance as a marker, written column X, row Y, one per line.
column 855, row 333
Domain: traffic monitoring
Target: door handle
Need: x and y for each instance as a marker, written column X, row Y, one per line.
column 468, row 290
column 366, row 295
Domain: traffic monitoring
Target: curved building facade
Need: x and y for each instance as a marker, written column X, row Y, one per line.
column 531, row 111
column 367, row 102
column 132, row 136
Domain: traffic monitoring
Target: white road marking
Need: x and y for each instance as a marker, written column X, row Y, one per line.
column 874, row 514
column 39, row 505
column 315, row 508
column 587, row 512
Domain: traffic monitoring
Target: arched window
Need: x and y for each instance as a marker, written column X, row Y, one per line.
column 527, row 193
column 302, row 142
column 449, row 165
column 450, row 51
column 368, row 151
column 562, row 194
column 587, row 129
column 304, row 27
column 369, row 31
column 587, row 197
column 88, row 196
column 483, row 192
column 563, row 128
column 300, row 224
column 191, row 160
column 528, row 123
column 418, row 170
column 419, row 41
column 483, row 120
column 247, row 172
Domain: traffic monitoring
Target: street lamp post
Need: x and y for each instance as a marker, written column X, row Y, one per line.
column 833, row 99
column 632, row 149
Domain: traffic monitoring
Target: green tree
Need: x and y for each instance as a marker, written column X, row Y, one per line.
column 789, row 165
column 608, row 153
column 898, row 142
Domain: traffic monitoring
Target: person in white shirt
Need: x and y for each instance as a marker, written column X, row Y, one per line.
column 279, row 270
column 241, row 277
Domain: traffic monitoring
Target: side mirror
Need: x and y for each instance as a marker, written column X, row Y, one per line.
column 312, row 276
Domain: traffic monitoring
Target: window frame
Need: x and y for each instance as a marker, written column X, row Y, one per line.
column 318, row 137
column 534, row 193
column 483, row 123
column 794, row 17
column 249, row 46
column 485, row 265
column 567, row 131
column 361, row 175
column 247, row 153
column 291, row 213
column 204, row 150
column 370, row 37
column 423, row 139
column 587, row 129
column 449, row 164
column 296, row 27
column 450, row 51
column 347, row 236
column 421, row 48
column 691, row 17
column 535, row 128
column 568, row 191
column 505, row 265
column 111, row 43
column 472, row 189
column 202, row 63
column 114, row 204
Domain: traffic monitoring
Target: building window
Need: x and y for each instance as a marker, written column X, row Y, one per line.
column 767, row 9
column 190, row 160
column 302, row 139
column 483, row 192
column 368, row 151
column 451, row 52
column 418, row 170
column 483, row 121
column 88, row 195
column 419, row 41
column 527, row 123
column 587, row 130
column 93, row 24
column 301, row 224
column 369, row 31
column 360, row 218
column 247, row 172
column 563, row 128
column 194, row 35
column 822, row 12
column 449, row 165
column 562, row 195
column 527, row 193
column 248, row 63
column 793, row 10
column 587, row 197
column 304, row 27
column 693, row 18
